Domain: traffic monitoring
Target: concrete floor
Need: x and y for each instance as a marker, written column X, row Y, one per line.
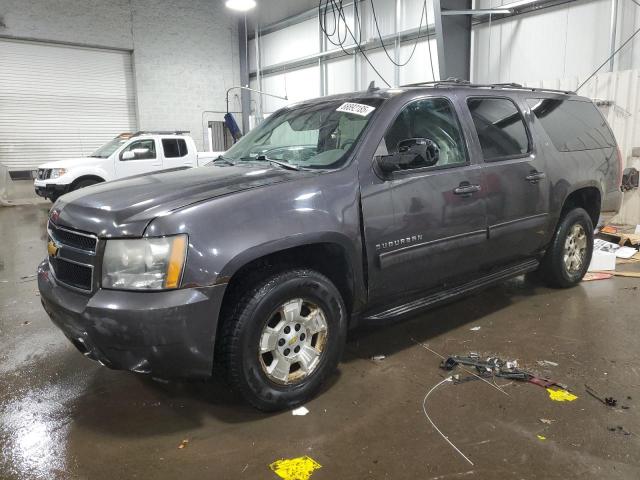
column 63, row 416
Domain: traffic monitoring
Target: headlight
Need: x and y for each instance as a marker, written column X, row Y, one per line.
column 57, row 172
column 144, row 264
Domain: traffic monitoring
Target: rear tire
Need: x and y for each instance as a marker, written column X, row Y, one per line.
column 267, row 346
column 567, row 259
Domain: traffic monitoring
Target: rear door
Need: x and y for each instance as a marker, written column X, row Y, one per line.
column 176, row 153
column 145, row 159
column 514, row 179
column 425, row 226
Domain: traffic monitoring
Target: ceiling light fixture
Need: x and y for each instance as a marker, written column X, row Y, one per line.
column 240, row 5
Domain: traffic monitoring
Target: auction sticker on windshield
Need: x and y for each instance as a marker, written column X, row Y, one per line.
column 357, row 108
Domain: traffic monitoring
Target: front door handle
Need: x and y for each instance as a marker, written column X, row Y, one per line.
column 466, row 189
column 535, row 176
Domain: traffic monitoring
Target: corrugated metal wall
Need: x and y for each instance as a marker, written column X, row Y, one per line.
column 59, row 101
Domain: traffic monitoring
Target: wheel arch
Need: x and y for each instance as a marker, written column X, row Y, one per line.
column 588, row 197
column 81, row 178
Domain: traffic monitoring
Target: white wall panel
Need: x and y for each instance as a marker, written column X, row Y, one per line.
column 419, row 68
column 410, row 11
column 563, row 41
column 295, row 41
column 340, row 76
column 382, row 64
column 300, row 84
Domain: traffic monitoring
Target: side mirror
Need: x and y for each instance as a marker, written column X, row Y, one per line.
column 412, row 153
column 421, row 151
column 128, row 155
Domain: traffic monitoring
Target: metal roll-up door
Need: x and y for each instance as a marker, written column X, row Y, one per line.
column 60, row 101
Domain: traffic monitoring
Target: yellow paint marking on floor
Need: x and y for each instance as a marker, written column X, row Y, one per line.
column 561, row 395
column 300, row 468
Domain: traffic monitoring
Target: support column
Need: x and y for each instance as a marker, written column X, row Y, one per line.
column 245, row 96
column 453, row 37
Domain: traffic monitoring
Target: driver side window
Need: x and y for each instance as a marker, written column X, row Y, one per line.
column 142, row 150
column 433, row 120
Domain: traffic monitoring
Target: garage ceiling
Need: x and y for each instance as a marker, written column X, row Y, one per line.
column 271, row 11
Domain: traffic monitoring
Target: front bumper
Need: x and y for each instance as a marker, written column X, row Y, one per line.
column 49, row 190
column 169, row 334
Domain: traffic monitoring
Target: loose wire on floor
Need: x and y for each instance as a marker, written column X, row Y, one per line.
column 462, row 368
column 424, row 409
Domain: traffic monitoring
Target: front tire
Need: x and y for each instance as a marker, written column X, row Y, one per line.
column 567, row 259
column 284, row 338
column 84, row 183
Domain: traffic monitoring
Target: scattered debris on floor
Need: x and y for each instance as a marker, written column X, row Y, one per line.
column 561, row 395
column 546, row 363
column 475, row 329
column 590, row 276
column 496, row 367
column 619, row 429
column 546, row 421
column 184, row 444
column 608, row 401
column 378, row 358
column 541, row 437
column 300, row 468
column 300, row 411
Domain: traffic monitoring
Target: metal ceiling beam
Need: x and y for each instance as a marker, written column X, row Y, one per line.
column 478, row 11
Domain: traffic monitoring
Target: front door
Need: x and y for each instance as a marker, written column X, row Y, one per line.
column 513, row 174
column 140, row 156
column 424, row 224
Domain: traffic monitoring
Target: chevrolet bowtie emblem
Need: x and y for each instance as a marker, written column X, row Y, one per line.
column 52, row 248
column 293, row 340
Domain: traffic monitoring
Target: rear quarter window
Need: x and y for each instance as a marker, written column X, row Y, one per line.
column 572, row 125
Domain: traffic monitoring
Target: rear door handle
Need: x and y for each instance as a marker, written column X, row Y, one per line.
column 535, row 176
column 466, row 189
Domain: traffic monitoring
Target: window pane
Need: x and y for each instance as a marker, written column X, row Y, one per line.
column 182, row 146
column 170, row 147
column 572, row 124
column 143, row 149
column 432, row 119
column 500, row 127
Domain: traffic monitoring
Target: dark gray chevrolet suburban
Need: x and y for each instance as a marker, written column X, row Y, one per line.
column 370, row 205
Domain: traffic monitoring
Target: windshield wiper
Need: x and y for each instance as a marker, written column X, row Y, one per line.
column 288, row 166
column 221, row 159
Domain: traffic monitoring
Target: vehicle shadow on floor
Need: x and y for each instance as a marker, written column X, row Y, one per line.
column 137, row 405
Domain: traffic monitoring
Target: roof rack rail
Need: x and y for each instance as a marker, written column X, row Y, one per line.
column 160, row 132
column 457, row 82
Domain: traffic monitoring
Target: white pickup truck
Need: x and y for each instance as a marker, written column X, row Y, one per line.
column 124, row 156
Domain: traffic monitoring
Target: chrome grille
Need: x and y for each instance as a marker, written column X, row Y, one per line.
column 73, row 259
column 74, row 239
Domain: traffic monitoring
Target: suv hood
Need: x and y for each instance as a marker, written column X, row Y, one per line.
column 73, row 162
column 124, row 208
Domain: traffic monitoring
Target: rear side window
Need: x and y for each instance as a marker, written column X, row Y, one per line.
column 572, row 125
column 174, row 147
column 500, row 127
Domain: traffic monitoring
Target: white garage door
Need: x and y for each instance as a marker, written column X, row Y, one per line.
column 59, row 101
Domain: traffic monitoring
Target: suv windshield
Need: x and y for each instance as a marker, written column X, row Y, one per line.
column 108, row 148
column 317, row 136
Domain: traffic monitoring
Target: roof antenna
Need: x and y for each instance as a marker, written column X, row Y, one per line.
column 372, row 86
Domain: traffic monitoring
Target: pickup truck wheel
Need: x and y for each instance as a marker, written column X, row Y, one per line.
column 284, row 338
column 84, row 183
column 569, row 254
